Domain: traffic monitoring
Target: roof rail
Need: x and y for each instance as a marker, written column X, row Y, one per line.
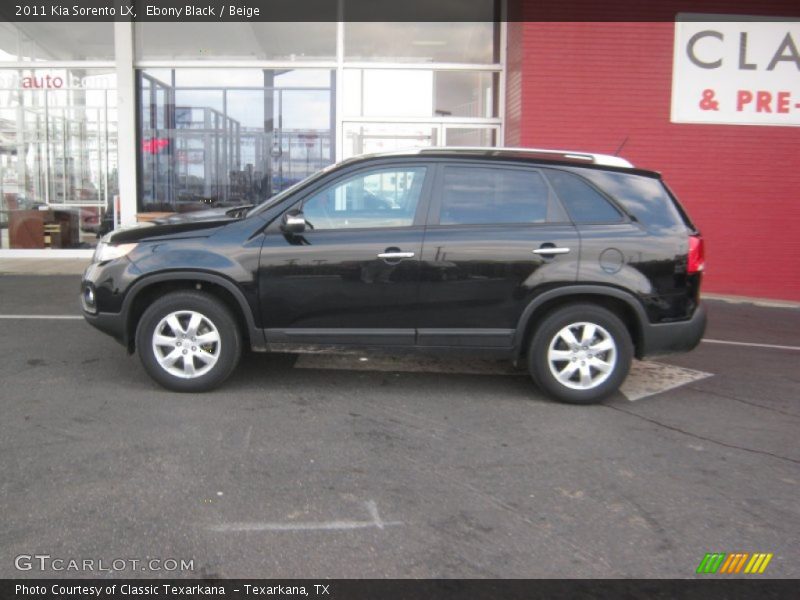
column 573, row 155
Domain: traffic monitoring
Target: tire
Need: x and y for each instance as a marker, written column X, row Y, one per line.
column 164, row 339
column 585, row 373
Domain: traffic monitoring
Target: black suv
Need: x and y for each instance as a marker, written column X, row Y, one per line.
column 570, row 261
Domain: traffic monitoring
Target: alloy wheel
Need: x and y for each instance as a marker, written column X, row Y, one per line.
column 186, row 344
column 582, row 355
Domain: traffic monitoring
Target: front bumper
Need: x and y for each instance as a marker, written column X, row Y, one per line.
column 678, row 336
column 109, row 323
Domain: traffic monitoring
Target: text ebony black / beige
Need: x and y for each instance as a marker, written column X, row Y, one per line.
column 574, row 263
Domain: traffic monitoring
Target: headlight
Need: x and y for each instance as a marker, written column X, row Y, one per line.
column 105, row 251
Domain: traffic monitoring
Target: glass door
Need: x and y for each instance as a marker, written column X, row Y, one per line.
column 371, row 137
column 474, row 136
column 368, row 138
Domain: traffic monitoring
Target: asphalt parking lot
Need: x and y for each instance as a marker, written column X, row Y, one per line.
column 318, row 466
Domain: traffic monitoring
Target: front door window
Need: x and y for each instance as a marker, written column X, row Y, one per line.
column 384, row 198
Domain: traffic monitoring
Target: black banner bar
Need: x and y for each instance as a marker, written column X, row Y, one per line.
column 383, row 10
column 414, row 589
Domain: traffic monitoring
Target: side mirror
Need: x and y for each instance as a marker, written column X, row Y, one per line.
column 293, row 222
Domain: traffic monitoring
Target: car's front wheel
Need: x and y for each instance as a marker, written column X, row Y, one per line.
column 580, row 354
column 188, row 341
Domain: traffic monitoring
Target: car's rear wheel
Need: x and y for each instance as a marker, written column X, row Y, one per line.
column 188, row 341
column 580, row 354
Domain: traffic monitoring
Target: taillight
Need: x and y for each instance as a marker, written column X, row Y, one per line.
column 697, row 255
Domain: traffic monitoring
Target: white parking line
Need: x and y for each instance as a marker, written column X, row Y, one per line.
column 65, row 317
column 374, row 522
column 751, row 344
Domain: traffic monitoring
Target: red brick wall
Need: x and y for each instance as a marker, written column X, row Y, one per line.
column 591, row 86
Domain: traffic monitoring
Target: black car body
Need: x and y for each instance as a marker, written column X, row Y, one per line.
column 436, row 249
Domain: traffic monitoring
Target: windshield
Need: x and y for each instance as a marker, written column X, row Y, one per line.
column 288, row 191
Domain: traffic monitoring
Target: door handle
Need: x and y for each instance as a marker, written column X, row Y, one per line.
column 395, row 255
column 551, row 250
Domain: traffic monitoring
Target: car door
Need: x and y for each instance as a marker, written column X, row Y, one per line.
column 352, row 277
column 496, row 237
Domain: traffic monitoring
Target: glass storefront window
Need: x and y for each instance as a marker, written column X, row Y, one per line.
column 470, row 94
column 420, row 93
column 58, row 157
column 220, row 138
column 388, row 92
column 236, row 40
column 422, row 42
column 56, row 41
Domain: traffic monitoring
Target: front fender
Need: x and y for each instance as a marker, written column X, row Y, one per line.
column 256, row 334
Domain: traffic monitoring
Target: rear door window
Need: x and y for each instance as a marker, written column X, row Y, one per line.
column 473, row 195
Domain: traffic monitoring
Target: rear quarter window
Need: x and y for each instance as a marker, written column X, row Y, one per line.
column 583, row 203
column 644, row 197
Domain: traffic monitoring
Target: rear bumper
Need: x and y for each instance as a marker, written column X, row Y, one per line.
column 679, row 336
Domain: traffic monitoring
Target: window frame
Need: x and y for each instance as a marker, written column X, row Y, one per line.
column 437, row 197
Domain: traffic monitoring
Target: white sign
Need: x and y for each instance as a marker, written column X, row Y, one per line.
column 737, row 73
